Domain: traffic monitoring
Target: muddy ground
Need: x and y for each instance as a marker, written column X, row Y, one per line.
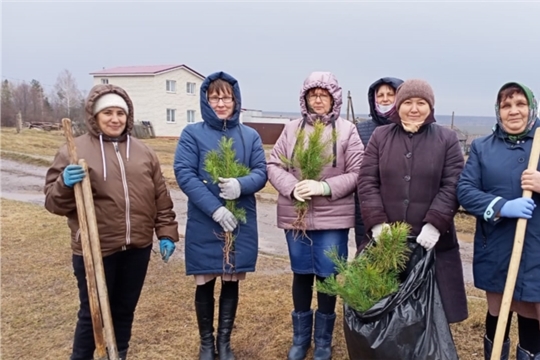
column 24, row 182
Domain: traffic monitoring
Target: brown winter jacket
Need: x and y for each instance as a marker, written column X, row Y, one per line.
column 131, row 198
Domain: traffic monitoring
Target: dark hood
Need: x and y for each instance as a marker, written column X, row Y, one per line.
column 393, row 82
column 208, row 114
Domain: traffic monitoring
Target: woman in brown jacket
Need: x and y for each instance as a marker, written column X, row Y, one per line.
column 131, row 203
column 409, row 173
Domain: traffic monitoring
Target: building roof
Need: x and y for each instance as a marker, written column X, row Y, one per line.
column 143, row 70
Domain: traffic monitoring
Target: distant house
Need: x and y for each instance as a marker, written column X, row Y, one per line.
column 462, row 137
column 165, row 95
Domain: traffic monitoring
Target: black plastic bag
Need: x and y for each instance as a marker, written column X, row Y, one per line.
column 408, row 325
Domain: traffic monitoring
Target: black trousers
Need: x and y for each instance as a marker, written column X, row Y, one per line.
column 125, row 272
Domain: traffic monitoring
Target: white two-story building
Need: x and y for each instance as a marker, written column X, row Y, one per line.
column 166, row 95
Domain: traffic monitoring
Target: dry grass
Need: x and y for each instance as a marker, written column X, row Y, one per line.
column 30, row 146
column 465, row 223
column 26, row 158
column 39, row 301
column 31, row 141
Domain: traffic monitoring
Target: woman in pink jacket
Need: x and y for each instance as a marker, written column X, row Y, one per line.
column 330, row 214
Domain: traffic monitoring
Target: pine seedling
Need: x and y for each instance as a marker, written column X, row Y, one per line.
column 310, row 157
column 374, row 274
column 222, row 163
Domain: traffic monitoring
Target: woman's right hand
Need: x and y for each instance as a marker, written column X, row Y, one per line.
column 73, row 174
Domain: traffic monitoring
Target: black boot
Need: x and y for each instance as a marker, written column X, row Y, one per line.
column 302, row 329
column 122, row 355
column 523, row 354
column 227, row 313
column 205, row 318
column 324, row 329
column 488, row 345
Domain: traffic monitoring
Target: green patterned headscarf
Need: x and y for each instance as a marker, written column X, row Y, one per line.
column 533, row 111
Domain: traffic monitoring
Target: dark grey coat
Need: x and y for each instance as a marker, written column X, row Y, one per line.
column 412, row 178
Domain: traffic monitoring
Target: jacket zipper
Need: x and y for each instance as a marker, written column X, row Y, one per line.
column 126, row 192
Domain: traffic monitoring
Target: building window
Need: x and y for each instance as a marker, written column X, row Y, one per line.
column 190, row 88
column 191, row 116
column 170, row 85
column 104, row 81
column 171, row 116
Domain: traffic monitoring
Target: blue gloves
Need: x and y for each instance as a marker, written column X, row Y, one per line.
column 518, row 208
column 166, row 248
column 73, row 174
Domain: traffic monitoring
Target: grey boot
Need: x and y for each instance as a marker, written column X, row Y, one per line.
column 227, row 314
column 324, row 329
column 522, row 354
column 302, row 329
column 488, row 346
column 205, row 319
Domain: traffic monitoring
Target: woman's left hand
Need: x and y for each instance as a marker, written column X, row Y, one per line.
column 230, row 188
column 166, row 248
column 530, row 180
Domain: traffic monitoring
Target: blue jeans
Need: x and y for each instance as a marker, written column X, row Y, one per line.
column 307, row 254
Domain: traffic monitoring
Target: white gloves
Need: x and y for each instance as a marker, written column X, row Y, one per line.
column 225, row 218
column 298, row 197
column 428, row 237
column 230, row 188
column 377, row 230
column 305, row 189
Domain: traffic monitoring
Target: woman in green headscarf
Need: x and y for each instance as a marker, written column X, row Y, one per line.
column 491, row 188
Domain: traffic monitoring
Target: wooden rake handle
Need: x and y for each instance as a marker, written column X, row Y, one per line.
column 515, row 260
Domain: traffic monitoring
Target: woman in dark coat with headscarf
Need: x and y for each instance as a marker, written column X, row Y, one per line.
column 409, row 173
column 491, row 188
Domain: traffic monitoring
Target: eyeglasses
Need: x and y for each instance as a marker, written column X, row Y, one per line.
column 323, row 97
column 214, row 99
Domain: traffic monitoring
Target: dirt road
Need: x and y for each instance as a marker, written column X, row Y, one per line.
column 24, row 182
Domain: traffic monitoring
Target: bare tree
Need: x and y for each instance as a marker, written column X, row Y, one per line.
column 8, row 110
column 37, row 96
column 67, row 92
column 22, row 96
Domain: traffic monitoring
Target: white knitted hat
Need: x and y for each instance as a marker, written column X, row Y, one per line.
column 110, row 100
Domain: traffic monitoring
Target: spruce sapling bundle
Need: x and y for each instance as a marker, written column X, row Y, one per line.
column 222, row 163
column 310, row 159
column 374, row 274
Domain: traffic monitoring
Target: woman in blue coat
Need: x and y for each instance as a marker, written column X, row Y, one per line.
column 207, row 215
column 490, row 188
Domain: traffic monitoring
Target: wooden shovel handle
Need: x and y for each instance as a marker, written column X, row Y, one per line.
column 515, row 260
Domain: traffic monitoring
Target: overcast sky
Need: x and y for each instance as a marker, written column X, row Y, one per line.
column 465, row 50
